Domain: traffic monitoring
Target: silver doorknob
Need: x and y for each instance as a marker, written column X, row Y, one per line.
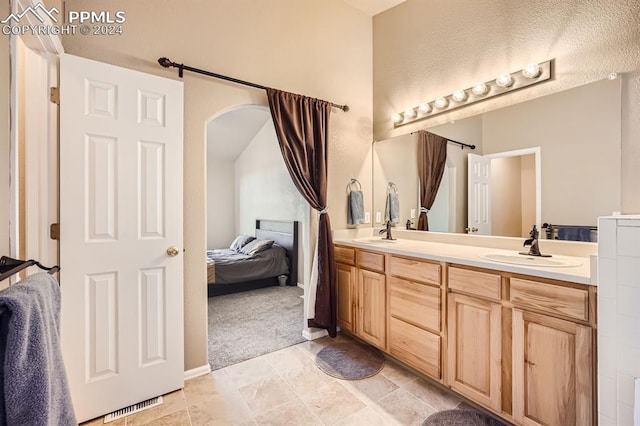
column 173, row 251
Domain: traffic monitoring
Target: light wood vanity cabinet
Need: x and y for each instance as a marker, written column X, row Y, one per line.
column 521, row 346
column 371, row 314
column 347, row 288
column 475, row 336
column 346, row 278
column 553, row 353
column 552, row 371
column 415, row 314
column 361, row 294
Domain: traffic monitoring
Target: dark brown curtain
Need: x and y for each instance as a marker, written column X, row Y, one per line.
column 302, row 126
column 432, row 159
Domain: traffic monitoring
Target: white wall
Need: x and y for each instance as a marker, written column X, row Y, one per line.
column 264, row 189
column 221, row 203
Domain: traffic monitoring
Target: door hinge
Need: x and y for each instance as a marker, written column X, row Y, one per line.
column 54, row 231
column 54, row 95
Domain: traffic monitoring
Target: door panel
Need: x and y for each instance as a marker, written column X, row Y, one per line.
column 371, row 321
column 475, row 349
column 479, row 194
column 121, row 208
column 346, row 280
column 552, row 371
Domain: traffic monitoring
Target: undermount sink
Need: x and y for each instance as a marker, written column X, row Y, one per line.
column 519, row 259
column 374, row 240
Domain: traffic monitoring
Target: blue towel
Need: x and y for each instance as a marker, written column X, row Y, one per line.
column 32, row 375
column 392, row 208
column 355, row 208
column 574, row 233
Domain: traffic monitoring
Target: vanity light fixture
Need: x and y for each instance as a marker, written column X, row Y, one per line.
column 504, row 80
column 425, row 108
column 531, row 71
column 410, row 113
column 441, row 103
column 504, row 83
column 480, row 89
column 459, row 95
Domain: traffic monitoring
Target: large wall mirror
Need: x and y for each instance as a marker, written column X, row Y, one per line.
column 554, row 159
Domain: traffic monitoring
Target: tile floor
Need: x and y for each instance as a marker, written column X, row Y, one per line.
column 286, row 388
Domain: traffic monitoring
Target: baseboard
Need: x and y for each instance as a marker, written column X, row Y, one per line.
column 301, row 285
column 196, row 372
column 314, row 333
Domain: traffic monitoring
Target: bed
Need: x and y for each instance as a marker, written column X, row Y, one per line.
column 238, row 268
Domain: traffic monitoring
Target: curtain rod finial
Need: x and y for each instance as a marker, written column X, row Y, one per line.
column 165, row 62
column 346, row 108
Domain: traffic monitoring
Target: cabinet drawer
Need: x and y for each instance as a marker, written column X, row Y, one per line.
column 415, row 270
column 370, row 260
column 415, row 346
column 418, row 304
column 345, row 255
column 568, row 302
column 477, row 283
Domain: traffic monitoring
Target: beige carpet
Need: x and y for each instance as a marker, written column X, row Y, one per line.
column 252, row 323
column 350, row 361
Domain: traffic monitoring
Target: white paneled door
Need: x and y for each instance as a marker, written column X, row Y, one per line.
column 120, row 234
column 479, row 195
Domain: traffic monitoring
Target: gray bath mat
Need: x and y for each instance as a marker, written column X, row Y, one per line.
column 350, row 361
column 461, row 418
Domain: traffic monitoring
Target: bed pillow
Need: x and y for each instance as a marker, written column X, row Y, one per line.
column 241, row 241
column 256, row 246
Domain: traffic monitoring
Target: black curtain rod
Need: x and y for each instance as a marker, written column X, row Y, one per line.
column 181, row 68
column 462, row 144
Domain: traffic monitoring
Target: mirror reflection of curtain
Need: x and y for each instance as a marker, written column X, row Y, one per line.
column 432, row 159
column 302, row 126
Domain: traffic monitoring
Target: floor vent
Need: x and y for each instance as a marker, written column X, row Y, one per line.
column 135, row 408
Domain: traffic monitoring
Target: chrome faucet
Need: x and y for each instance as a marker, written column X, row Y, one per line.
column 532, row 243
column 387, row 230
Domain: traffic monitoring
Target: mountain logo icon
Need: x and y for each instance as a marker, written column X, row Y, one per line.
column 39, row 11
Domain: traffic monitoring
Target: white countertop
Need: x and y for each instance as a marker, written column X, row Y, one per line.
column 471, row 256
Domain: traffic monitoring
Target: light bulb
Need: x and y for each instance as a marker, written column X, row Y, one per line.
column 441, row 103
column 504, row 80
column 480, row 89
column 459, row 95
column 531, row 71
column 397, row 118
column 410, row 113
column 425, row 108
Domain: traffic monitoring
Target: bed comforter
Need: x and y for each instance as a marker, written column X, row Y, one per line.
column 226, row 266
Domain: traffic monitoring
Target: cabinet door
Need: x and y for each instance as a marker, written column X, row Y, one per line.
column 552, row 371
column 346, row 277
column 371, row 320
column 475, row 349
